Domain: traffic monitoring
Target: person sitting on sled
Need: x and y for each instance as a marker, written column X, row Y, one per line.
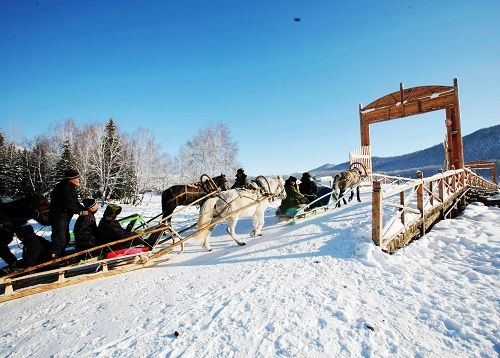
column 36, row 249
column 293, row 197
column 241, row 180
column 109, row 229
column 85, row 227
column 308, row 187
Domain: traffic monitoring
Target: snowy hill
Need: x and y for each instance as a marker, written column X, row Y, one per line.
column 316, row 289
column 483, row 144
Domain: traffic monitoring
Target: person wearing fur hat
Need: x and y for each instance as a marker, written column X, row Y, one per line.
column 241, row 180
column 36, row 249
column 109, row 229
column 64, row 204
column 85, row 229
column 293, row 196
column 308, row 187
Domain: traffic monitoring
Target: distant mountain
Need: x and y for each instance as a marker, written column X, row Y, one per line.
column 483, row 144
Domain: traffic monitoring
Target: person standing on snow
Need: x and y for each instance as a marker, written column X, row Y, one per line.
column 64, row 204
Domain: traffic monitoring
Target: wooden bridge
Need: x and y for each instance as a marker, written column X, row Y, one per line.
column 405, row 212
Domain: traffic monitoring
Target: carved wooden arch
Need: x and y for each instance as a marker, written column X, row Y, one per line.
column 414, row 101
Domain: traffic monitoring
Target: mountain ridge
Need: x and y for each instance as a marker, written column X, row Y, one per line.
column 483, row 144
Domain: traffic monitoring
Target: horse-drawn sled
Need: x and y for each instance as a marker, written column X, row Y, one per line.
column 344, row 185
column 145, row 247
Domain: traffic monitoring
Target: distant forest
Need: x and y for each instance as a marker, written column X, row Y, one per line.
column 112, row 164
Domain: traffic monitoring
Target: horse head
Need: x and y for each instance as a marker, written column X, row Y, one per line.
column 221, row 182
column 40, row 206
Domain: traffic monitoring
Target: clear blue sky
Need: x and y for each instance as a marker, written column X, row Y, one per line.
column 288, row 90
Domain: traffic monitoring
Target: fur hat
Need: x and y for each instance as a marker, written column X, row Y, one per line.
column 71, row 174
column 291, row 179
column 306, row 175
column 24, row 232
column 89, row 203
column 240, row 171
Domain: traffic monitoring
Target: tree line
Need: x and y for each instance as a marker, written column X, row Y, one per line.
column 113, row 165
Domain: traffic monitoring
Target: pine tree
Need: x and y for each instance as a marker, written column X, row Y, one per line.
column 66, row 161
column 4, row 168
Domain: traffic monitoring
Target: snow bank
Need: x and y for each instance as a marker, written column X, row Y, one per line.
column 319, row 288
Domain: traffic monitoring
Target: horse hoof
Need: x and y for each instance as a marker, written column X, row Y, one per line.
column 241, row 243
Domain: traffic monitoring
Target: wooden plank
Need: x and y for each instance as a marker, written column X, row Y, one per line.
column 67, row 282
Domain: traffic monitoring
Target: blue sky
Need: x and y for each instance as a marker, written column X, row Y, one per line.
column 288, row 90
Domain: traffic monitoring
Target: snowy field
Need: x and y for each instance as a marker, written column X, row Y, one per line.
column 316, row 289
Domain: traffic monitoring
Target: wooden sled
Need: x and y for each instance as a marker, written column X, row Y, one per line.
column 87, row 268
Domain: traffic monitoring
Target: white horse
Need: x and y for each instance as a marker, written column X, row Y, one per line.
column 232, row 204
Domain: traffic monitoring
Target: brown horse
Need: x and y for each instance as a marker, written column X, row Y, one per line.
column 186, row 194
column 15, row 214
column 344, row 181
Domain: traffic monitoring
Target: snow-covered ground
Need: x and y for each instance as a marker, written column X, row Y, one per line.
column 316, row 289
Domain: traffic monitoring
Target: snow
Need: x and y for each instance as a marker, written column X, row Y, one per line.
column 315, row 289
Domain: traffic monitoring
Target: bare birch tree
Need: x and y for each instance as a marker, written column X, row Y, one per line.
column 211, row 152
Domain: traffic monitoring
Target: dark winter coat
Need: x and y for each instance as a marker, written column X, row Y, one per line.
column 36, row 250
column 85, row 232
column 308, row 187
column 241, row 182
column 109, row 228
column 293, row 197
column 64, row 200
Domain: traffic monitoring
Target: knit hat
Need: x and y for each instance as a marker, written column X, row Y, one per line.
column 71, row 174
column 306, row 175
column 292, row 179
column 89, row 203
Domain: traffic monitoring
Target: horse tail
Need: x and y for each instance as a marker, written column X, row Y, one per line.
column 207, row 211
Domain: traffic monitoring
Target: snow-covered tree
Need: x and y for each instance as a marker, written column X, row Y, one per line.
column 211, row 152
column 108, row 160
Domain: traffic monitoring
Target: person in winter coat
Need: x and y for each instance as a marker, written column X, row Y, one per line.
column 308, row 187
column 293, row 196
column 85, row 229
column 64, row 204
column 241, row 180
column 109, row 228
column 36, row 249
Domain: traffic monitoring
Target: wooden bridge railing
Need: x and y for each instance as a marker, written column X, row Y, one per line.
column 413, row 207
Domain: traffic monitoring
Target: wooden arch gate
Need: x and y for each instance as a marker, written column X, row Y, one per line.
column 414, row 101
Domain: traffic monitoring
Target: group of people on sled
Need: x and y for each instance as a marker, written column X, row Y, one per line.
column 297, row 196
column 64, row 204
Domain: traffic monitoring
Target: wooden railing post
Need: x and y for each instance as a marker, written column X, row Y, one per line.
column 431, row 191
column 420, row 200
column 377, row 214
column 441, row 194
column 463, row 201
column 402, row 202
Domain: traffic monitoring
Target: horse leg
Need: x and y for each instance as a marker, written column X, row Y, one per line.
column 231, row 230
column 258, row 222
column 206, row 215
column 351, row 196
column 357, row 194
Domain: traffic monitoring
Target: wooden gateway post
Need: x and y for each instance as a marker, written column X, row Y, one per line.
column 414, row 101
